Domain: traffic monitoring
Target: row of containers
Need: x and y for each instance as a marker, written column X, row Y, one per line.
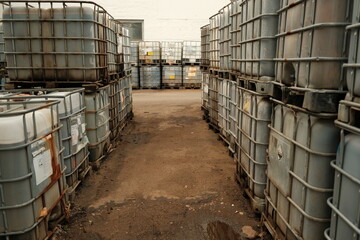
column 68, row 98
column 166, row 64
column 280, row 86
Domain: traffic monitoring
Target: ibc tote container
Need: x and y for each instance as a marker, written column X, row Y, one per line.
column 172, row 76
column 64, row 41
column 232, row 106
column 300, row 178
column 114, row 120
column 254, row 116
column 120, row 48
column 112, row 44
column 345, row 202
column 214, row 41
column 171, row 52
column 134, row 56
column 32, row 181
column 225, row 37
column 352, row 67
column 71, row 111
column 191, row 52
column 205, row 90
column 128, row 97
column 258, row 28
column 192, row 76
column 214, row 101
column 150, row 77
column 235, row 35
column 205, row 45
column 127, row 50
column 223, row 110
column 149, row 53
column 311, row 44
column 135, row 77
column 97, row 123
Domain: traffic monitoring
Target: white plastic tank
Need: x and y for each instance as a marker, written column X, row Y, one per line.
column 32, row 181
column 192, row 76
column 97, row 123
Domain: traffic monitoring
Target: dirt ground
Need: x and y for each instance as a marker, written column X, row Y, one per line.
column 168, row 178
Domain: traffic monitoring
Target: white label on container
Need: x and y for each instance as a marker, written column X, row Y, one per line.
column 206, row 88
column 74, row 134
column 42, row 164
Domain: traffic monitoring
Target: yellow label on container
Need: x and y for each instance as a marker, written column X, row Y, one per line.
column 191, row 74
column 247, row 105
column 148, row 60
column 172, row 77
column 150, row 53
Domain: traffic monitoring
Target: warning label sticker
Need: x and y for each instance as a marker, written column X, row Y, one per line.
column 42, row 161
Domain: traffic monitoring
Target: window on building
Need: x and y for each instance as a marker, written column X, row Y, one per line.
column 136, row 28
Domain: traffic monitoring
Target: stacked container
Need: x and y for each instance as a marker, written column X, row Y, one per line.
column 286, row 68
column 65, row 46
column 150, row 65
column 205, row 46
column 214, row 41
column 345, row 200
column 225, row 37
column 127, row 51
column 134, row 59
column 311, row 47
column 171, row 57
column 38, row 178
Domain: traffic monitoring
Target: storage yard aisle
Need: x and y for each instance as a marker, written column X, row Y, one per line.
column 169, row 178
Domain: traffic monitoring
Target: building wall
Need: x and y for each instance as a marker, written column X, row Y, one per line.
column 166, row 19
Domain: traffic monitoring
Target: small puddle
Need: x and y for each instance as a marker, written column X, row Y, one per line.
column 221, row 231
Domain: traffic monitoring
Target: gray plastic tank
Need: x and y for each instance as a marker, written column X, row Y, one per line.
column 97, row 123
column 192, row 76
column 171, row 52
column 213, row 101
column 225, row 37
column 172, row 76
column 214, row 41
column 353, row 67
column 69, row 46
column 233, row 111
column 311, row 43
column 32, row 182
column 254, row 114
column 205, row 90
column 114, row 121
column 134, row 57
column 125, row 101
column 135, row 77
column 150, row 77
column 223, row 91
column 258, row 28
column 300, row 178
column 127, row 50
column 191, row 52
column 149, row 53
column 205, row 45
column 345, row 203
column 128, row 98
column 112, row 44
column 235, row 35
